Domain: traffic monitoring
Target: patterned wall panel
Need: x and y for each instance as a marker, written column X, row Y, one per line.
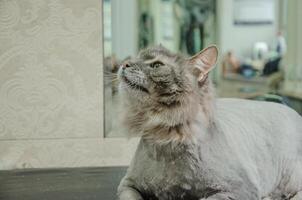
column 51, row 86
column 50, row 58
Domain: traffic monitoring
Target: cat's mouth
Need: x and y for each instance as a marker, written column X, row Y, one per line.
column 135, row 86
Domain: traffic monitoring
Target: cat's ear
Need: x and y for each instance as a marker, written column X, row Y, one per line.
column 204, row 61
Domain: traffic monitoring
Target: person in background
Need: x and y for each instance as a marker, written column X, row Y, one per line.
column 272, row 65
column 230, row 64
column 281, row 46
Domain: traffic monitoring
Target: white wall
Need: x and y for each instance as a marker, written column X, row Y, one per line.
column 239, row 38
column 124, row 28
column 293, row 59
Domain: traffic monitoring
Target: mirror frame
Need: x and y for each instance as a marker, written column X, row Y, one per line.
column 104, row 135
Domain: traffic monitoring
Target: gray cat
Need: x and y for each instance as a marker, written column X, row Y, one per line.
column 196, row 147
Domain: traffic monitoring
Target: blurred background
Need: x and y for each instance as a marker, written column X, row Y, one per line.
column 58, row 102
column 58, row 97
column 259, row 43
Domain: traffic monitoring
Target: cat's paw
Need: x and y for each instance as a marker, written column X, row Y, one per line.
column 298, row 196
column 267, row 198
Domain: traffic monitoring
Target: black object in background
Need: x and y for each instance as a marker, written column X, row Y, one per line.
column 271, row 66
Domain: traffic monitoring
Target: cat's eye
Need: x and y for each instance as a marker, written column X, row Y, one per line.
column 156, row 64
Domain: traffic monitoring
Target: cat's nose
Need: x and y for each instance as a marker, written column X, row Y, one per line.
column 125, row 65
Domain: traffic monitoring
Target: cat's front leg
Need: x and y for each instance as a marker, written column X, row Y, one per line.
column 298, row 196
column 221, row 196
column 127, row 191
column 129, row 194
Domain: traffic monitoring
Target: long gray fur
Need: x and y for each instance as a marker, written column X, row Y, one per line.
column 195, row 147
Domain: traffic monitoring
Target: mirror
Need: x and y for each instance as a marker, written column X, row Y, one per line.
column 180, row 25
column 252, row 36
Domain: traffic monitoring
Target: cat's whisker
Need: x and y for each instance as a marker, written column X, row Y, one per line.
column 110, row 76
column 109, row 72
column 112, row 81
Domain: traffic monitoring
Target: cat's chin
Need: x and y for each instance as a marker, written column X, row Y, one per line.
column 134, row 86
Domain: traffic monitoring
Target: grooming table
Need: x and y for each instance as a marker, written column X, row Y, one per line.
column 61, row 184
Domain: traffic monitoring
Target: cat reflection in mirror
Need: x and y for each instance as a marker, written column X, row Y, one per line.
column 194, row 146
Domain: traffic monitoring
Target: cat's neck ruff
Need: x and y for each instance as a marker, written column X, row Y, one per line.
column 181, row 124
column 188, row 120
column 182, row 134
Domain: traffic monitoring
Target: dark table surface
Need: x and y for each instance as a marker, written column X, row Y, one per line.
column 61, row 184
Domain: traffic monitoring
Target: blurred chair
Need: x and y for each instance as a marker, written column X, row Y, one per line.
column 260, row 50
column 273, row 98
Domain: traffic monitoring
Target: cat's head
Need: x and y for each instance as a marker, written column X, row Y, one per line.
column 159, row 86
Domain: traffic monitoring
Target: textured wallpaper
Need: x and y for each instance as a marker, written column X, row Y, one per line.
column 50, row 54
column 50, row 86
